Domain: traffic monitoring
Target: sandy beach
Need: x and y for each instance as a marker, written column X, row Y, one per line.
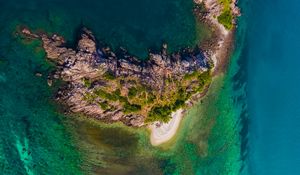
column 161, row 133
column 164, row 132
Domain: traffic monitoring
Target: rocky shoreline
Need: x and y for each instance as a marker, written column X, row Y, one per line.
column 116, row 86
column 87, row 62
column 220, row 45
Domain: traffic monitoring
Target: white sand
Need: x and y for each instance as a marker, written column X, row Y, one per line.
column 165, row 131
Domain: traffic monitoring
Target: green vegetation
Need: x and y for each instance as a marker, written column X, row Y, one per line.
column 191, row 76
column 225, row 3
column 163, row 112
column 89, row 97
column 87, row 82
column 159, row 113
column 153, row 104
column 114, row 96
column 150, row 98
column 109, row 75
column 203, row 79
column 136, row 90
column 132, row 92
column 226, row 19
column 103, row 94
column 129, row 108
column 226, row 16
column 104, row 105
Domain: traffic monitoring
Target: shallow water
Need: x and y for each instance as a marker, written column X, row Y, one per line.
column 36, row 139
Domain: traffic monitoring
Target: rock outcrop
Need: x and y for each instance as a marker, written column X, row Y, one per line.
column 90, row 70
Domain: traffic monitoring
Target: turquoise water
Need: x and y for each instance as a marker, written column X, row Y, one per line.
column 33, row 138
column 271, row 60
column 37, row 139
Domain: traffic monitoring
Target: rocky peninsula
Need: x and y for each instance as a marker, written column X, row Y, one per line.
column 119, row 87
column 115, row 86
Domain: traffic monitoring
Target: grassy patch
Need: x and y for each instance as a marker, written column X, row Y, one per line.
column 226, row 16
column 226, row 19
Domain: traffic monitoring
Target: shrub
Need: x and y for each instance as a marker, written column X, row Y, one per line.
column 159, row 113
column 163, row 113
column 117, row 92
column 150, row 98
column 128, row 108
column 87, row 82
column 103, row 105
column 226, row 19
column 108, row 96
column 132, row 92
column 178, row 104
column 109, row 75
column 190, row 76
column 203, row 79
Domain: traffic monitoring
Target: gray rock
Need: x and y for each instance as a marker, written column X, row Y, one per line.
column 88, row 62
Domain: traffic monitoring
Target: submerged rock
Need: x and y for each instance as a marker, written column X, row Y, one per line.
column 38, row 74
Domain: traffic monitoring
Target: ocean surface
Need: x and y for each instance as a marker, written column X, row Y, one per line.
column 247, row 123
column 271, row 60
column 133, row 24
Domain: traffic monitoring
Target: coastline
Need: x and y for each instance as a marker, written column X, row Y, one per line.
column 217, row 49
column 210, row 136
column 165, row 131
column 219, row 54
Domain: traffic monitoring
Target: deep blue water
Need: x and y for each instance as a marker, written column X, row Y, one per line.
column 271, row 58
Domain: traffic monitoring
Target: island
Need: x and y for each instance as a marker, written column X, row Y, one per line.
column 115, row 86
